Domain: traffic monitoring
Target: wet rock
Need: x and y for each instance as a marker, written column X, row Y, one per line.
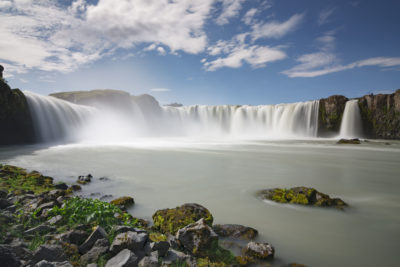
column 84, row 179
column 303, row 196
column 125, row 258
column 130, row 240
column 235, row 231
column 55, row 220
column 61, row 186
column 40, row 229
column 105, row 197
column 4, row 203
column 354, row 141
column 47, row 205
column 8, row 258
column 75, row 237
column 161, row 247
column 104, row 179
column 48, row 253
column 99, row 248
column 124, row 202
column 197, row 237
column 118, row 229
column 174, row 256
column 171, row 220
column 259, row 250
column 54, row 194
column 75, row 187
column 149, row 261
column 296, row 265
column 98, row 233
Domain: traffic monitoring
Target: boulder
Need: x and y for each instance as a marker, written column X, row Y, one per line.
column 124, row 258
column 8, row 258
column 84, row 179
column 61, row 186
column 48, row 253
column 171, row 220
column 173, row 257
column 40, row 229
column 354, row 141
column 118, row 229
column 3, row 194
column 129, row 240
column 330, row 115
column 161, row 247
column 150, row 261
column 197, row 238
column 99, row 248
column 259, row 250
column 303, row 196
column 97, row 234
column 123, row 202
column 76, row 237
column 45, row 263
column 4, row 203
column 235, row 231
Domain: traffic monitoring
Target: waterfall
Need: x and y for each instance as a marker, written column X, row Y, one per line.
column 55, row 119
column 351, row 126
column 59, row 120
column 297, row 120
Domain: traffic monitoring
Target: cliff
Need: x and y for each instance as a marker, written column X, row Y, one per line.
column 330, row 115
column 381, row 115
column 16, row 126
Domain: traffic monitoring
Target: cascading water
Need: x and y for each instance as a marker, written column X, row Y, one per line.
column 351, row 126
column 57, row 119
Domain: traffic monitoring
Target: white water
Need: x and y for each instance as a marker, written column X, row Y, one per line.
column 351, row 126
column 56, row 120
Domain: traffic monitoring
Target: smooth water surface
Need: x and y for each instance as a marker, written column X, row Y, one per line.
column 225, row 176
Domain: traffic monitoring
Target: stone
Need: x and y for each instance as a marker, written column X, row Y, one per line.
column 235, row 231
column 75, row 187
column 8, row 258
column 45, row 263
column 161, row 247
column 124, row 202
column 54, row 194
column 40, row 229
column 118, row 229
column 48, row 253
column 98, row 233
column 171, row 220
column 174, row 256
column 303, row 196
column 99, row 248
column 44, row 206
column 259, row 250
column 197, row 238
column 55, row 220
column 84, row 179
column 130, row 240
column 3, row 193
column 61, row 186
column 124, row 258
column 20, row 249
column 76, row 237
column 92, row 265
column 354, row 141
column 4, row 203
column 149, row 261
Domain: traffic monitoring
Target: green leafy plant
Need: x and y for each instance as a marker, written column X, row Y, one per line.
column 92, row 212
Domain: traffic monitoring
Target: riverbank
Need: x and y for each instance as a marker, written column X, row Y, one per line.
column 42, row 222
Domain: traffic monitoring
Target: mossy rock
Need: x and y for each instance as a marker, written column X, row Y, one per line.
column 123, row 201
column 171, row 220
column 303, row 196
column 354, row 141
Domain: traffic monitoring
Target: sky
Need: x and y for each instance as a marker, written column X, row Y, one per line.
column 203, row 52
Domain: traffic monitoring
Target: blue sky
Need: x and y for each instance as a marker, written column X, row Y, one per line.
column 203, row 52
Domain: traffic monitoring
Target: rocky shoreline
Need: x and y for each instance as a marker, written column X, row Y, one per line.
column 44, row 224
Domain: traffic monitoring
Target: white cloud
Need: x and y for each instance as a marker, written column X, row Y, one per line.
column 161, row 51
column 248, row 18
column 276, row 29
column 5, row 4
column 230, row 8
column 325, row 14
column 160, row 90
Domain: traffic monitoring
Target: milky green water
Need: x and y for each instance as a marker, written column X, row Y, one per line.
column 224, row 176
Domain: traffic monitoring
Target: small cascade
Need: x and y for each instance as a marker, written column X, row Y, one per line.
column 351, row 126
column 55, row 119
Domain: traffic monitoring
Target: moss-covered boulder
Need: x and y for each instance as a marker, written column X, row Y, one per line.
column 302, row 196
column 124, row 202
column 235, row 231
column 354, row 141
column 171, row 220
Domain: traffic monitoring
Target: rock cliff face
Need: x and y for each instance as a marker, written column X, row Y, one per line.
column 16, row 126
column 381, row 115
column 330, row 115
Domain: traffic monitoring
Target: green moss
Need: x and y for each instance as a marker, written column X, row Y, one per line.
column 299, row 199
column 123, row 201
column 157, row 237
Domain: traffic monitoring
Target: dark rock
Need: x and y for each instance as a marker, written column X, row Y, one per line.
column 3, row 194
column 4, row 203
column 75, row 237
column 40, row 229
column 84, row 179
column 197, row 238
column 75, row 187
column 161, row 247
column 118, row 229
column 8, row 258
column 98, row 233
column 171, row 220
column 303, row 196
column 130, row 240
column 296, row 265
column 174, row 257
column 259, row 250
column 354, row 141
column 61, row 186
column 330, row 115
column 99, row 248
column 124, row 202
column 47, row 205
column 235, row 230
column 125, row 258
column 48, row 253
column 54, row 194
column 20, row 249
column 105, row 197
column 149, row 261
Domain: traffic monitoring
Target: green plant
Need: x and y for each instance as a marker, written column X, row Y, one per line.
column 92, row 212
column 36, row 242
